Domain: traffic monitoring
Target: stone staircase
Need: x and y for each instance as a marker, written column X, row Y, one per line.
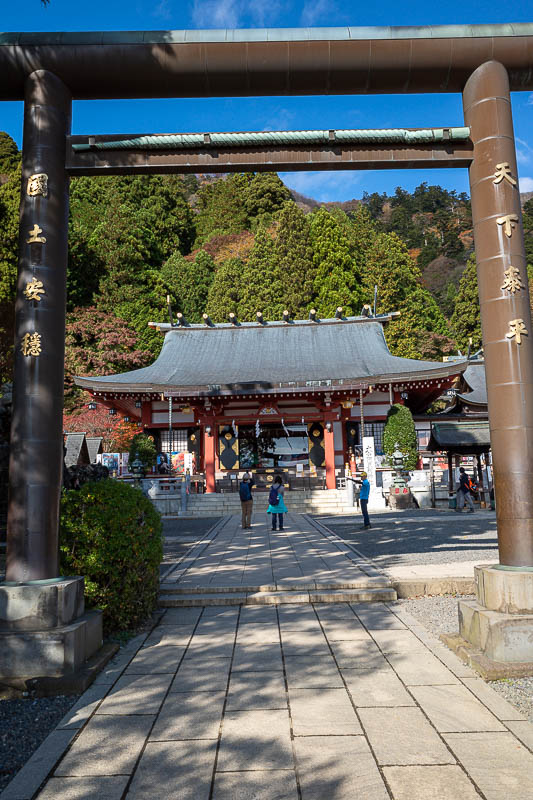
column 366, row 590
column 307, row 501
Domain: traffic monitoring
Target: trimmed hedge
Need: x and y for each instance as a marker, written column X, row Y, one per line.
column 400, row 430
column 111, row 534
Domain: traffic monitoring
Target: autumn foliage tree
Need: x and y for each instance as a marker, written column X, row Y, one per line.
column 97, row 343
column 116, row 433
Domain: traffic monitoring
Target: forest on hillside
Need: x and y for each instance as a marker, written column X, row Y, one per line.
column 244, row 243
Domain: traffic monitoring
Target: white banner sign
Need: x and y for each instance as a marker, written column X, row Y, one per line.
column 369, row 459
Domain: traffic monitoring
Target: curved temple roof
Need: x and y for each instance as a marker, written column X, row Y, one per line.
column 282, row 61
column 474, row 376
column 233, row 358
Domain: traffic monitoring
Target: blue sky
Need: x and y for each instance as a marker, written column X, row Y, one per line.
column 278, row 113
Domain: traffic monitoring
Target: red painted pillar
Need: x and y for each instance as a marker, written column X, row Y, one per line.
column 209, row 457
column 146, row 413
column 329, row 455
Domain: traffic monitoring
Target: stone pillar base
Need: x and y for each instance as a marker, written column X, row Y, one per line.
column 45, row 630
column 496, row 630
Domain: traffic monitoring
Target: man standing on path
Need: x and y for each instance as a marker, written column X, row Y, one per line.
column 245, row 493
column 363, row 500
column 463, row 492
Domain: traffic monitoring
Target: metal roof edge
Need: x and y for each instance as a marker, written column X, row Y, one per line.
column 250, row 35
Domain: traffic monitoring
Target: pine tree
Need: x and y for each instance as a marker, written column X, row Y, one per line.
column 390, row 267
column 188, row 282
column 225, row 291
column 337, row 281
column 263, row 287
column 400, row 432
column 265, row 195
column 466, row 321
column 294, row 254
column 221, row 208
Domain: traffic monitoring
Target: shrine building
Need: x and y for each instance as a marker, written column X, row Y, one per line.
column 290, row 396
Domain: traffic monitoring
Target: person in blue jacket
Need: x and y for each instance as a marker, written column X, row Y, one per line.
column 363, row 500
column 276, row 503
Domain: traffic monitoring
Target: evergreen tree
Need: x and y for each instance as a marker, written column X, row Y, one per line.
column 9, row 230
column 391, row 268
column 400, row 432
column 225, row 291
column 466, row 321
column 337, row 281
column 188, row 282
column 265, row 195
column 527, row 219
column 262, row 282
column 221, row 208
column 9, row 154
column 294, row 254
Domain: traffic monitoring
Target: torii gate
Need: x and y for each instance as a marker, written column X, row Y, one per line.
column 48, row 70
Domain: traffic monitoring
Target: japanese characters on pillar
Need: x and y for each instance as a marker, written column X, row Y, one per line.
column 31, row 343
column 504, row 306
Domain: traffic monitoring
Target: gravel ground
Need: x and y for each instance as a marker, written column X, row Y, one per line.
column 421, row 537
column 24, row 724
column 439, row 615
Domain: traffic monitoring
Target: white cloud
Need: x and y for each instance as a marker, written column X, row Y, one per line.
column 315, row 11
column 234, row 13
column 324, row 186
column 529, row 100
column 162, row 10
column 524, row 151
column 526, row 184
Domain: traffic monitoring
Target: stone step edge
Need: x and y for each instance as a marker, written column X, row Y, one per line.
column 309, row 586
column 382, row 595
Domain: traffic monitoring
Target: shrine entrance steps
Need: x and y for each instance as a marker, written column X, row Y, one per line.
column 303, row 563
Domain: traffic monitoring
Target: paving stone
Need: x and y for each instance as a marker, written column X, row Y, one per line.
column 258, row 785
column 523, row 730
column 259, row 633
column 181, row 616
column 257, row 615
column 454, row 708
column 343, row 630
column 328, row 712
column 209, row 648
column 105, row 788
column 175, row 771
column 338, row 768
column 494, row 701
column 179, row 635
column 420, row 669
column 397, row 641
column 359, row 653
column 497, row 763
column 221, row 612
column 254, row 740
column 376, row 687
column 304, row 643
column 403, row 736
column 33, row 773
column 108, row 745
column 377, row 617
column 334, row 611
column 202, row 676
column 136, row 694
column 307, row 672
column 257, row 658
column 189, row 716
column 80, row 712
column 430, row 783
column 152, row 660
column 249, row 690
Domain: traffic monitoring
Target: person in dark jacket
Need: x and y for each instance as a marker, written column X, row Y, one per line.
column 464, row 493
column 245, row 494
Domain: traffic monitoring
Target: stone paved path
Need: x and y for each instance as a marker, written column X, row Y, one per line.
column 330, row 701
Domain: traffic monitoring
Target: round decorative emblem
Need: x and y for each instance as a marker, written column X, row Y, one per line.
column 228, row 436
column 316, row 433
column 270, row 478
column 193, row 437
column 352, row 431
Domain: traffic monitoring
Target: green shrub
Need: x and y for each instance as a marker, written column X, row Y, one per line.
column 400, row 430
column 143, row 446
column 111, row 534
